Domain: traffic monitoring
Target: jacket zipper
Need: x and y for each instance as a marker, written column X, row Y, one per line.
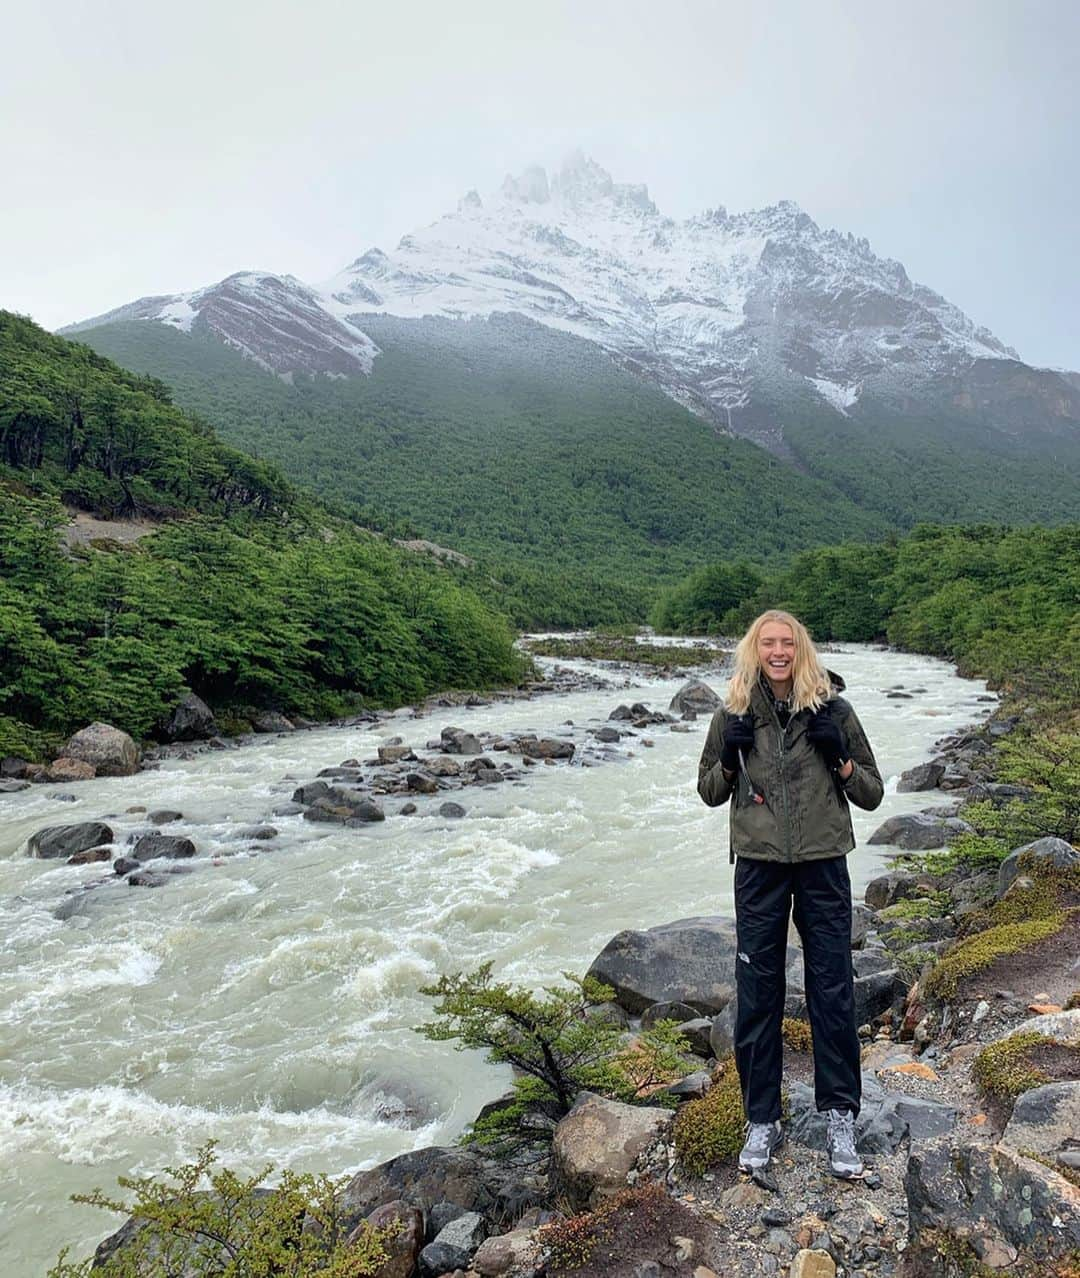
column 780, row 741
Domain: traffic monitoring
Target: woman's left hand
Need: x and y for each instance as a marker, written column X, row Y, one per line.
column 825, row 736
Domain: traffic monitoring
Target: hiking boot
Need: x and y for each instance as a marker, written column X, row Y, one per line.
column 840, row 1144
column 762, row 1140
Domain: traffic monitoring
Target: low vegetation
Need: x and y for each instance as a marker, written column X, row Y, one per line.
column 206, row 1220
column 711, row 1128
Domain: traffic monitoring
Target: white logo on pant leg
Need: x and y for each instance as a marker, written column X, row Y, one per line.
column 744, row 956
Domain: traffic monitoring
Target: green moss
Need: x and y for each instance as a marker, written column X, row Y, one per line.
column 710, row 1129
column 1073, row 1001
column 1003, row 1070
column 935, row 905
column 797, row 1034
column 978, row 952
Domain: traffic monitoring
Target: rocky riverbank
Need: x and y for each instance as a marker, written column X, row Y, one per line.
column 967, row 987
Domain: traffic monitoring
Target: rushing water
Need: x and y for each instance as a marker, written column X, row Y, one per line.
column 268, row 999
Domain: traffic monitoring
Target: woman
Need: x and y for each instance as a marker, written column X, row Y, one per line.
column 790, row 754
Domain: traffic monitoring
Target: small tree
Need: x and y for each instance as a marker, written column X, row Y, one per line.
column 214, row 1223
column 558, row 1043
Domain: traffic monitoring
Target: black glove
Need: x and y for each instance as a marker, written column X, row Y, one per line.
column 824, row 735
column 738, row 735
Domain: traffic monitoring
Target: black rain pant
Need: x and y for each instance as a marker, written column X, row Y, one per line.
column 821, row 892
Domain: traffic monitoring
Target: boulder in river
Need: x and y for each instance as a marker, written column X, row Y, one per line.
column 111, row 751
column 696, row 696
column 544, row 747
column 191, row 720
column 458, row 741
column 65, row 770
column 170, row 846
column 272, row 721
column 688, row 961
column 67, row 840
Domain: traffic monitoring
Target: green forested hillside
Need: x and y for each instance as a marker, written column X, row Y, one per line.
column 509, row 441
column 528, row 448
column 248, row 593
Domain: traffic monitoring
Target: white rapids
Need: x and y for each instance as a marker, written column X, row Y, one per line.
column 269, row 999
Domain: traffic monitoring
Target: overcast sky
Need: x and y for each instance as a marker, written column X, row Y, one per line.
column 148, row 147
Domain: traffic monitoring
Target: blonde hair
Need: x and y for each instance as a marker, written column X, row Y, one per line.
column 811, row 685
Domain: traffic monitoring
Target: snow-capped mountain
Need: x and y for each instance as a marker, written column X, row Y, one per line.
column 273, row 319
column 708, row 307
column 733, row 315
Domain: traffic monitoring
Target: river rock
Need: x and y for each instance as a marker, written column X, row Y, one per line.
column 887, row 889
column 507, row 1253
column 458, row 741
column 424, row 1177
column 13, row 768
column 452, row 811
column 13, row 787
column 125, row 865
column 445, row 765
column 395, row 753
column 918, row 832
column 422, row 783
column 607, row 736
column 91, row 856
column 272, row 721
column 696, row 696
column 453, row 1246
column 993, row 1199
column 688, row 961
column 64, row 770
column 544, row 748
column 1045, row 1119
column 404, row 1246
column 171, row 846
column 111, row 751
column 191, row 720
column 924, row 776
column 164, row 816
column 1054, row 851
column 698, row 1033
column 598, row 1144
column 67, row 840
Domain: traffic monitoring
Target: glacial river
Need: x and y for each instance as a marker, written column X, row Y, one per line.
column 268, row 999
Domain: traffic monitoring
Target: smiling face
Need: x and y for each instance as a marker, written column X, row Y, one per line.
column 776, row 655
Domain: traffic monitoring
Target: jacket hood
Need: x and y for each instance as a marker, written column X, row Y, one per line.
column 836, row 680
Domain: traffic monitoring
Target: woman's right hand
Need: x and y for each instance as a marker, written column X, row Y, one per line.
column 738, row 735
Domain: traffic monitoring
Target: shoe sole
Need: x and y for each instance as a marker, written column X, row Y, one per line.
column 749, row 1171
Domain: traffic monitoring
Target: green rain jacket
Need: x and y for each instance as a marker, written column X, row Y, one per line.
column 805, row 815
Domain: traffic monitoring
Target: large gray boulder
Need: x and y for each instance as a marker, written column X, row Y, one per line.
column 191, row 720
column 1045, row 1119
column 887, row 889
column 598, row 1144
column 695, row 696
column 688, row 961
column 995, row 1202
column 111, row 751
column 1063, row 1027
column 67, row 840
column 919, row 832
column 435, row 1174
column 172, row 847
column 1050, row 851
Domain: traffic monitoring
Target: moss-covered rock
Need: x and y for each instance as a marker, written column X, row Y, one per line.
column 979, row 951
column 1004, row 1069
